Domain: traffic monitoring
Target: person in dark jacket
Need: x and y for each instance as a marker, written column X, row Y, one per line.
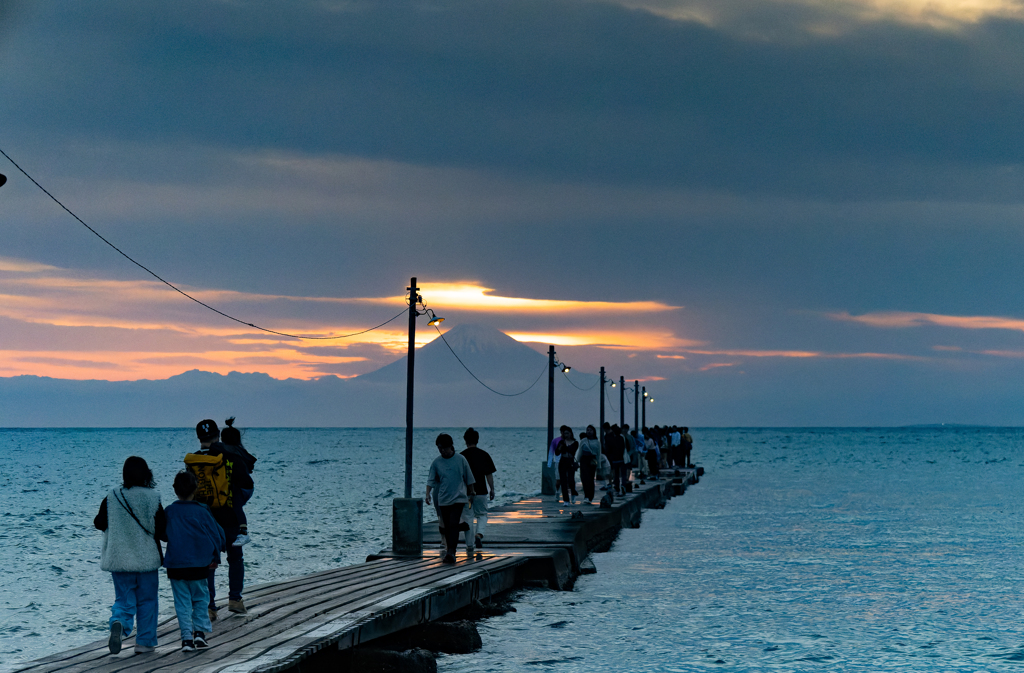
column 615, row 449
column 194, row 540
column 132, row 520
column 209, row 436
column 231, row 438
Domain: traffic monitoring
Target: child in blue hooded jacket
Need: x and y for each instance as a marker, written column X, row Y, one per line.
column 194, row 541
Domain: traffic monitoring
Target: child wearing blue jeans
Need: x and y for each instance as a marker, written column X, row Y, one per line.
column 194, row 542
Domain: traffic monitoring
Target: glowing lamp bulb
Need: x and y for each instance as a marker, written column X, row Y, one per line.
column 613, row 385
column 565, row 368
column 436, row 321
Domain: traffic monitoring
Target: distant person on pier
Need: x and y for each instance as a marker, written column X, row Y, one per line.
column 194, row 540
column 615, row 449
column 641, row 453
column 133, row 521
column 231, row 438
column 686, row 446
column 483, row 473
column 565, row 449
column 630, row 456
column 223, row 476
column 675, row 439
column 653, row 455
column 452, row 476
column 588, row 455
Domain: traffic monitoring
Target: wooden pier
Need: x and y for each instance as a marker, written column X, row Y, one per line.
column 535, row 542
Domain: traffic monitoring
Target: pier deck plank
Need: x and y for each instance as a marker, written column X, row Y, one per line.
column 293, row 618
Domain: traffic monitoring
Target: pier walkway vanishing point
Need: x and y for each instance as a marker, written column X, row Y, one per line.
column 535, row 542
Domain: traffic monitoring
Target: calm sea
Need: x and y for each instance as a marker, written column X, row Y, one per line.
column 800, row 550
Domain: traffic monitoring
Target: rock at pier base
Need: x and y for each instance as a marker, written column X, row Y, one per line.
column 446, row 637
column 372, row 660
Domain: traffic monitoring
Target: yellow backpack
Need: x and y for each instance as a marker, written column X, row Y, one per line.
column 213, row 477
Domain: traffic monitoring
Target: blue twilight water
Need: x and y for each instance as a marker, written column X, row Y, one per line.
column 872, row 550
column 801, row 550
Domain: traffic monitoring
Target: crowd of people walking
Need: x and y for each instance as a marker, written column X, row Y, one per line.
column 206, row 519
column 208, row 516
column 620, row 457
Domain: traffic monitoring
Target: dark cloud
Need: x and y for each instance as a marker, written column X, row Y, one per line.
column 586, row 91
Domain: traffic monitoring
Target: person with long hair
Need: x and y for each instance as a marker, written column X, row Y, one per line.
column 133, row 522
column 565, row 449
column 588, row 455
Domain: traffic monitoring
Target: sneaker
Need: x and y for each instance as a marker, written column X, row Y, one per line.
column 116, row 631
column 199, row 638
column 448, row 558
column 213, row 614
column 238, row 607
column 144, row 649
column 188, row 646
column 470, row 551
column 241, row 539
column 588, row 501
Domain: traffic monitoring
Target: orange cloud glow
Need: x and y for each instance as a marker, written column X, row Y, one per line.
column 901, row 319
column 180, row 335
column 477, row 298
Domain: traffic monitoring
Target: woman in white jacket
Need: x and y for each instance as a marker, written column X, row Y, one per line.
column 588, row 455
column 132, row 520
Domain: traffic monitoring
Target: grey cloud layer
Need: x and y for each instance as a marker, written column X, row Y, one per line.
column 585, row 91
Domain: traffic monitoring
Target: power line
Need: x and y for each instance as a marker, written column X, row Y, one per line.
column 171, row 285
column 576, row 386
column 477, row 378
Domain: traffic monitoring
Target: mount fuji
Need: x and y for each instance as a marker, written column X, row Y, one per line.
column 445, row 394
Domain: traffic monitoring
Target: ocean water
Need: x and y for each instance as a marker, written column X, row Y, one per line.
column 322, row 499
column 800, row 550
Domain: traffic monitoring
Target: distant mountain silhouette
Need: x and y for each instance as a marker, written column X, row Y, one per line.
column 445, row 394
column 495, row 357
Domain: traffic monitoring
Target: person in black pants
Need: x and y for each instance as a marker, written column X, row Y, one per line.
column 615, row 449
column 452, row 476
column 587, row 456
column 565, row 449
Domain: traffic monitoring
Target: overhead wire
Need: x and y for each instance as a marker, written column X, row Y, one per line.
column 176, row 288
column 496, row 392
column 576, row 386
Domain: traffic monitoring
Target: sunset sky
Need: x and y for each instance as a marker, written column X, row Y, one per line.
column 811, row 209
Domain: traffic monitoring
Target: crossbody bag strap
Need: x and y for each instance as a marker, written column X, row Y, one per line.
column 128, row 508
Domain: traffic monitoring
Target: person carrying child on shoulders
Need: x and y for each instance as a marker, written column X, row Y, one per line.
column 222, row 476
column 194, row 540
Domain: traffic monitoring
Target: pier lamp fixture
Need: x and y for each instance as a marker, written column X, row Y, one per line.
column 407, row 512
column 565, row 368
column 645, row 393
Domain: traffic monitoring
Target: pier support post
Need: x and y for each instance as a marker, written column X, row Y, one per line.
column 407, row 526
column 548, row 478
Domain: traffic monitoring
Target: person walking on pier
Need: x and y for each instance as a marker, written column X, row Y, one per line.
column 587, row 456
column 615, row 448
column 231, row 438
column 133, row 522
column 221, row 478
column 565, row 449
column 686, row 445
column 653, row 455
column 483, row 474
column 451, row 475
column 194, row 540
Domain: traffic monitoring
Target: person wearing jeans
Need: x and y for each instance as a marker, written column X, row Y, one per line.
column 133, row 521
